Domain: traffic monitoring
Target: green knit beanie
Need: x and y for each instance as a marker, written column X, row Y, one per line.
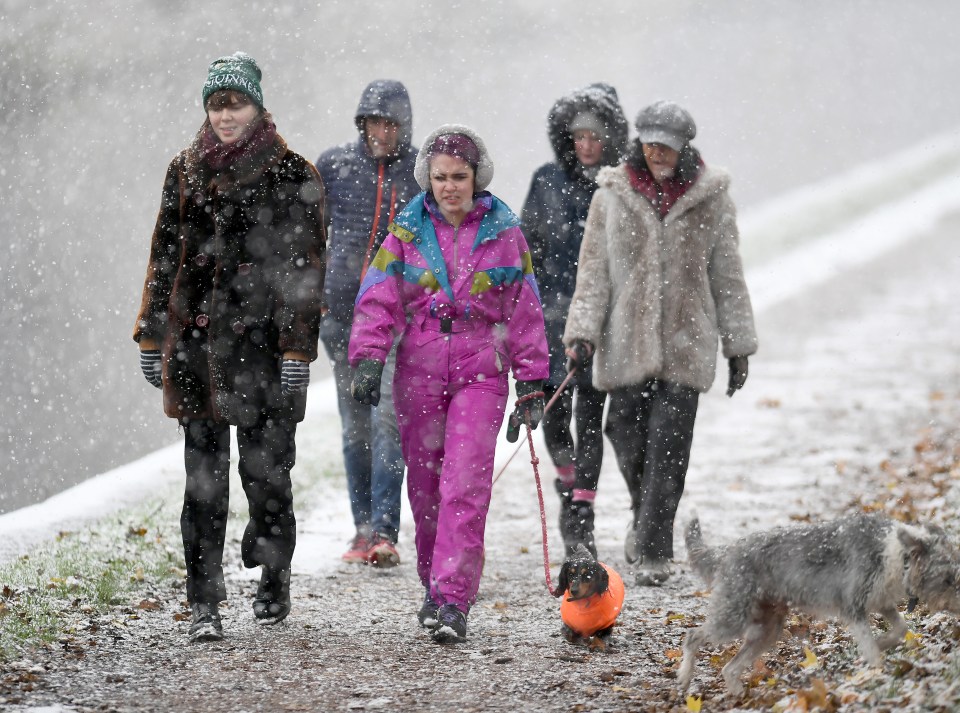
column 238, row 71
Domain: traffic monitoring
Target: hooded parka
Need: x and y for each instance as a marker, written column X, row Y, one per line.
column 364, row 194
column 555, row 211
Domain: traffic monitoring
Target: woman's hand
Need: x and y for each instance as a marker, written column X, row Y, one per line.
column 152, row 367
column 738, row 374
column 366, row 382
column 529, row 408
column 294, row 376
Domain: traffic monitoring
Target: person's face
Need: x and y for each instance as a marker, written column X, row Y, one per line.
column 661, row 160
column 452, row 183
column 588, row 147
column 382, row 136
column 233, row 121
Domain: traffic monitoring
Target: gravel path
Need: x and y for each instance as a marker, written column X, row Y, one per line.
column 848, row 382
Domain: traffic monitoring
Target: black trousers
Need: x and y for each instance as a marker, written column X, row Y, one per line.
column 587, row 453
column 650, row 426
column 267, row 453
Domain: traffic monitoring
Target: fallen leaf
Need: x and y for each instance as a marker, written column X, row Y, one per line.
column 818, row 697
column 810, row 660
column 694, row 703
column 673, row 654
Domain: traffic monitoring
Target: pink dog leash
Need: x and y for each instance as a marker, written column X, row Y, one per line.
column 534, row 461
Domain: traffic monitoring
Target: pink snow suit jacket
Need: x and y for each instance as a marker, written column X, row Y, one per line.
column 430, row 279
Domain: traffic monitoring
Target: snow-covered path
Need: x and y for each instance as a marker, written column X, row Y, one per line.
column 848, row 365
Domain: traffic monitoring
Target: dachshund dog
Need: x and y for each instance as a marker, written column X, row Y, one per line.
column 592, row 599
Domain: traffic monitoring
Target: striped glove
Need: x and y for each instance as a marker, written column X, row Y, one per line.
column 150, row 365
column 294, row 376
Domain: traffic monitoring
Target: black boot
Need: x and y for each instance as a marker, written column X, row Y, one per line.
column 566, row 515
column 582, row 525
column 272, row 603
column 206, row 624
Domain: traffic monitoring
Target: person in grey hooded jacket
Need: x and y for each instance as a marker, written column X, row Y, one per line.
column 587, row 131
column 660, row 284
column 368, row 181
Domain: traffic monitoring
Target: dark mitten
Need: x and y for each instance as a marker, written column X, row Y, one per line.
column 366, row 381
column 294, row 376
column 151, row 366
column 579, row 355
column 529, row 408
column 738, row 374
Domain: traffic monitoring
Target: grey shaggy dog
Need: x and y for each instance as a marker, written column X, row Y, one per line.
column 847, row 568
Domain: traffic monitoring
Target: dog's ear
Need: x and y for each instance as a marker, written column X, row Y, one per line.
column 563, row 580
column 914, row 541
column 603, row 578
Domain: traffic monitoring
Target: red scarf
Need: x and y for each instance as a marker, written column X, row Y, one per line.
column 220, row 156
column 662, row 195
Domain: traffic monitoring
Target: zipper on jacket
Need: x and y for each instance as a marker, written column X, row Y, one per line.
column 376, row 220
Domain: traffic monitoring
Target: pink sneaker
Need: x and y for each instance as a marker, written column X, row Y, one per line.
column 382, row 553
column 357, row 552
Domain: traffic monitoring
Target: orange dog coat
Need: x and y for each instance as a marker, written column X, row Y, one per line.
column 593, row 614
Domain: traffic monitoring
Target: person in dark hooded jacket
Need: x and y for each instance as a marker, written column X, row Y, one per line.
column 587, row 130
column 368, row 181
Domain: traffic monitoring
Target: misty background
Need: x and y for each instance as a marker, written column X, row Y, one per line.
column 96, row 99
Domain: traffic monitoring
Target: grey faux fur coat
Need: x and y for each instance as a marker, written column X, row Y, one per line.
column 655, row 297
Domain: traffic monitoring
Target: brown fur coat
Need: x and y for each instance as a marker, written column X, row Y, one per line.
column 234, row 281
column 654, row 297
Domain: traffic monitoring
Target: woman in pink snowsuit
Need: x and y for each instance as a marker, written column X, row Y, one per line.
column 455, row 280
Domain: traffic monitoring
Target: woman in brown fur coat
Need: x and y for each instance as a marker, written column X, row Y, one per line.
column 228, row 324
column 660, row 282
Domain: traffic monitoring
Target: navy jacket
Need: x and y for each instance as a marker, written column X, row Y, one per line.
column 555, row 211
column 363, row 195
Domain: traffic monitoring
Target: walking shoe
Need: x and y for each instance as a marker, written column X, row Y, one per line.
column 382, row 553
column 427, row 616
column 206, row 624
column 451, row 626
column 582, row 527
column 272, row 603
column 357, row 551
column 652, row 572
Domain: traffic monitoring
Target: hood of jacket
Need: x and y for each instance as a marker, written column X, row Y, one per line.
column 387, row 98
column 602, row 100
column 484, row 174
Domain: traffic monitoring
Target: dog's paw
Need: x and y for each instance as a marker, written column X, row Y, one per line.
column 597, row 643
column 569, row 634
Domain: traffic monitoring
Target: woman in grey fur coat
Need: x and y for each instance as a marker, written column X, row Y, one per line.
column 660, row 281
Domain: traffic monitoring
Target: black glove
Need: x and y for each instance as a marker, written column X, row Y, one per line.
column 294, row 376
column 738, row 374
column 151, row 366
column 366, row 381
column 529, row 408
column 579, row 355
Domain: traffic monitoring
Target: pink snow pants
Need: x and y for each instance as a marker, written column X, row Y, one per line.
column 450, row 392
